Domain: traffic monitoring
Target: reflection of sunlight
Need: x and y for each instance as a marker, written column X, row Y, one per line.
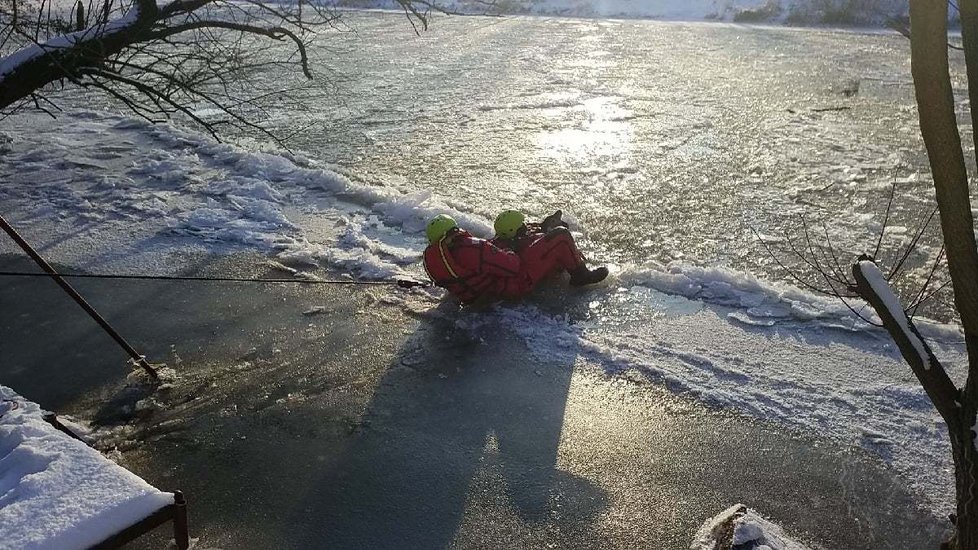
column 606, row 131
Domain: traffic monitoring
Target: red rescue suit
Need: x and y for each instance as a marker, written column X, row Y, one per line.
column 471, row 268
column 547, row 254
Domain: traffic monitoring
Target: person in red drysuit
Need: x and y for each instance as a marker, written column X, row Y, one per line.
column 471, row 268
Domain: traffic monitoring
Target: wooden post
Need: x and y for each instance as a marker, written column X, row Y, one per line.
column 181, row 527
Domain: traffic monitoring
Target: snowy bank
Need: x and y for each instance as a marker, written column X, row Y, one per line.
column 58, row 493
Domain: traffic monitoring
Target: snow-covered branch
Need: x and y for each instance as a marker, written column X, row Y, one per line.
column 22, row 60
column 881, row 288
column 873, row 287
column 175, row 57
column 27, row 70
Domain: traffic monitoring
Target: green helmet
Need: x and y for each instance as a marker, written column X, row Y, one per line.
column 439, row 226
column 508, row 224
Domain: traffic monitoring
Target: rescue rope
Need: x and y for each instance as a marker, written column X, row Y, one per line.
column 402, row 283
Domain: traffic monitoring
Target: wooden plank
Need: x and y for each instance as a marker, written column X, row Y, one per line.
column 136, row 530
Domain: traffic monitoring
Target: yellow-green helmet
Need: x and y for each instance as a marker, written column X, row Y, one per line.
column 508, row 224
column 438, row 226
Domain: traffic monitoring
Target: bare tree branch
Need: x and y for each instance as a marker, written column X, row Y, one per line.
column 919, row 298
column 886, row 220
column 912, row 245
column 276, row 33
column 186, row 50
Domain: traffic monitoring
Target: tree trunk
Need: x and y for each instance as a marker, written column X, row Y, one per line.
column 966, row 484
column 939, row 128
column 968, row 10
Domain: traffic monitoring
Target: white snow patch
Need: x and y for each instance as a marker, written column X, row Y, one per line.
column 186, row 190
column 759, row 302
column 58, row 493
column 750, row 530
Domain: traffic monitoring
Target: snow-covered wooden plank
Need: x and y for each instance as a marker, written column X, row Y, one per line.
column 58, row 493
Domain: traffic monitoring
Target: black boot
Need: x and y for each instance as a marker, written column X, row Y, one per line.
column 584, row 276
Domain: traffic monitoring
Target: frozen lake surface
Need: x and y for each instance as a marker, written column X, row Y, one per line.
column 665, row 144
column 666, row 140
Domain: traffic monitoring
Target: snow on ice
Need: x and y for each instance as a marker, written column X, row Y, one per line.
column 787, row 357
column 58, row 493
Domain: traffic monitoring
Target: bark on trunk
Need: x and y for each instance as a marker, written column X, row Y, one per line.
column 79, row 16
column 968, row 10
column 938, row 127
column 966, row 485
